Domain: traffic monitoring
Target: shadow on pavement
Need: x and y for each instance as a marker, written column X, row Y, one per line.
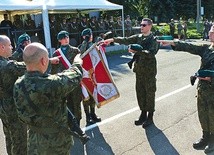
column 97, row 145
column 159, row 142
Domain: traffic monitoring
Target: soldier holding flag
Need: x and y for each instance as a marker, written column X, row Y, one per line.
column 89, row 105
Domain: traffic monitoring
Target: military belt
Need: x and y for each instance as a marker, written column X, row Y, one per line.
column 43, row 130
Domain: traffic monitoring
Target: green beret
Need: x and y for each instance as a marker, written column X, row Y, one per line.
column 205, row 73
column 86, row 32
column 135, row 47
column 62, row 34
column 165, row 38
column 22, row 38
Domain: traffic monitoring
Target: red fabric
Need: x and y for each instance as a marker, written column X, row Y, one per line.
column 97, row 78
column 62, row 60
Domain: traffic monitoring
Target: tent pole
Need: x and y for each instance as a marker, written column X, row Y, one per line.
column 46, row 28
column 123, row 23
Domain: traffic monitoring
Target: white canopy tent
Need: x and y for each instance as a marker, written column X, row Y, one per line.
column 46, row 6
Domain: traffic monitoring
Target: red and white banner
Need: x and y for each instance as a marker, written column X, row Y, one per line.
column 97, row 78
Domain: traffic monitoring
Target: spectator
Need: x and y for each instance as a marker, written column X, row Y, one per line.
column 206, row 29
column 128, row 26
column 179, row 28
column 172, row 28
column 184, row 25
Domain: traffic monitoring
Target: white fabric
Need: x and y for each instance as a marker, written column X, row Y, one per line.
column 42, row 6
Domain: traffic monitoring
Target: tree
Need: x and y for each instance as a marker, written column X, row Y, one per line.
column 164, row 10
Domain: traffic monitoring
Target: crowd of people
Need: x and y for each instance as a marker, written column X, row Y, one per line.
column 73, row 25
column 43, row 95
column 181, row 29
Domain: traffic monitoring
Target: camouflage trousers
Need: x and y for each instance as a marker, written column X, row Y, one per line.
column 145, row 90
column 74, row 102
column 58, row 143
column 205, row 105
column 89, row 104
column 15, row 135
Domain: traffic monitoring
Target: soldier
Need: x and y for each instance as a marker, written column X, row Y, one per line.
column 205, row 87
column 145, row 68
column 68, row 52
column 14, row 130
column 118, row 26
column 179, row 28
column 83, row 24
column 7, row 26
column 136, row 49
column 128, row 26
column 40, row 101
column 89, row 105
column 54, row 29
column 22, row 42
column 172, row 27
column 30, row 25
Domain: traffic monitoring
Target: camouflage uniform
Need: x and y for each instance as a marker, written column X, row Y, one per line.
column 205, row 99
column 17, row 55
column 14, row 130
column 74, row 98
column 145, row 68
column 48, row 93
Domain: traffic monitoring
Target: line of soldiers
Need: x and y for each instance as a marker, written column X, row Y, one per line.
column 74, row 26
column 39, row 123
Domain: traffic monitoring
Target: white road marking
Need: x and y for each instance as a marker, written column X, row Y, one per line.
column 133, row 109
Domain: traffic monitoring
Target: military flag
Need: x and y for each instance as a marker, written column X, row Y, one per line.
column 97, row 79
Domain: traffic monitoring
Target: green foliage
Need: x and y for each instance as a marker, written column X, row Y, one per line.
column 164, row 10
column 193, row 34
column 191, row 31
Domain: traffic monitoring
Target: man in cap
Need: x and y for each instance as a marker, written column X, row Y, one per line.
column 22, row 42
column 205, row 87
column 89, row 105
column 145, row 69
column 66, row 54
column 14, row 130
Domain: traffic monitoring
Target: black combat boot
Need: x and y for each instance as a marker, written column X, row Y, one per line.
column 94, row 117
column 210, row 147
column 89, row 119
column 141, row 119
column 202, row 142
column 149, row 120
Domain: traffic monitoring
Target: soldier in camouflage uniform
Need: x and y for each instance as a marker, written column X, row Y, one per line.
column 89, row 105
column 74, row 98
column 14, row 130
column 23, row 41
column 40, row 100
column 205, row 99
column 145, row 68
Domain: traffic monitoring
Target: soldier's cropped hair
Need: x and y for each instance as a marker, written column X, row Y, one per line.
column 150, row 22
column 3, row 39
column 34, row 52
